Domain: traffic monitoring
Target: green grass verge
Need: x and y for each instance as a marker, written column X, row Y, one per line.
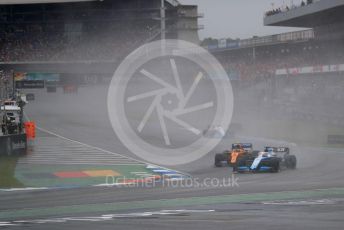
column 7, row 172
column 43, row 175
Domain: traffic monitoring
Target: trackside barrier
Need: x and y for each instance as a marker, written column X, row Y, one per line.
column 12, row 145
column 30, row 129
column 335, row 139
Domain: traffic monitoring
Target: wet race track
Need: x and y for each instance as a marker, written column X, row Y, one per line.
column 75, row 133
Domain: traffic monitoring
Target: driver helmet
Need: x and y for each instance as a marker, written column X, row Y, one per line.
column 271, row 152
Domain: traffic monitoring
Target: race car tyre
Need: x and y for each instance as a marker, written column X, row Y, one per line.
column 291, row 162
column 219, row 157
column 276, row 167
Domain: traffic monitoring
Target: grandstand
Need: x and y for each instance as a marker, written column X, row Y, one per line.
column 293, row 50
column 297, row 75
column 86, row 37
column 321, row 62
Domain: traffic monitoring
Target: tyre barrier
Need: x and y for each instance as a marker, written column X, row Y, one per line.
column 13, row 145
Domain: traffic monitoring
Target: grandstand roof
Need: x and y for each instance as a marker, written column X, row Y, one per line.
column 10, row 2
column 319, row 13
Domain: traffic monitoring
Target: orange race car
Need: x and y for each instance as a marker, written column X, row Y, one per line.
column 230, row 157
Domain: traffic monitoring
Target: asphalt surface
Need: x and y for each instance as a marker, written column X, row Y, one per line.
column 83, row 117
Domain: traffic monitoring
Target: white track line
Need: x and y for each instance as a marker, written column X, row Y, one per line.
column 87, row 145
column 22, row 189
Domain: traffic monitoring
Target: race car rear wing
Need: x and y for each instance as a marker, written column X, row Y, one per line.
column 277, row 149
column 245, row 146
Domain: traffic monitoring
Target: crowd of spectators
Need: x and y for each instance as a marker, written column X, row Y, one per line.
column 95, row 43
column 305, row 97
column 297, row 90
column 113, row 43
column 105, row 44
column 265, row 61
column 287, row 8
column 23, row 46
column 273, row 12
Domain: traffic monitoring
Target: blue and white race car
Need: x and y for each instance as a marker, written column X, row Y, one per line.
column 272, row 159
